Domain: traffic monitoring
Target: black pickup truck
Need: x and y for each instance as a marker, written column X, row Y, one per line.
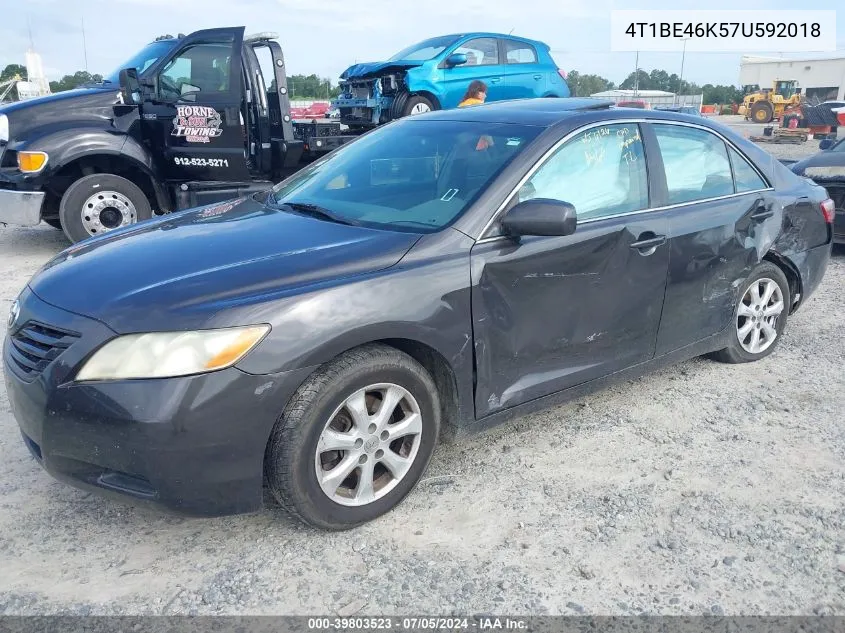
column 189, row 120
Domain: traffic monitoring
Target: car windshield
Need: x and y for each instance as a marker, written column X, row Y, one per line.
column 415, row 176
column 425, row 49
column 143, row 59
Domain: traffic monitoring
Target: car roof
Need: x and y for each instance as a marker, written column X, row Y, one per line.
column 547, row 111
column 506, row 36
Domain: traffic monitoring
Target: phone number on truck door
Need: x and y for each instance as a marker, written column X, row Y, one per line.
column 201, row 162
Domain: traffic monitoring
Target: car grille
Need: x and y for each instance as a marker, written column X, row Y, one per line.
column 35, row 346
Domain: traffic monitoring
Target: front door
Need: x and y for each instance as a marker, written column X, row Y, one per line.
column 194, row 119
column 483, row 63
column 553, row 312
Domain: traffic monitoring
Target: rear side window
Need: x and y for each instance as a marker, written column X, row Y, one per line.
column 519, row 53
column 745, row 177
column 601, row 172
column 696, row 163
column 480, row 52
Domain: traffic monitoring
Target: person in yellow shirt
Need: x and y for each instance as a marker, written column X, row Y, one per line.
column 476, row 94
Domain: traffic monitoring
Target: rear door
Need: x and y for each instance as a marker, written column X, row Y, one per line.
column 722, row 218
column 553, row 312
column 483, row 62
column 523, row 77
column 194, row 118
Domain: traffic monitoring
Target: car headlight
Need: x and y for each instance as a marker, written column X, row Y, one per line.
column 170, row 354
column 4, row 129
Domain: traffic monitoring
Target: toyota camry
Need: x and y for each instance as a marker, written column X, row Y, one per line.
column 438, row 275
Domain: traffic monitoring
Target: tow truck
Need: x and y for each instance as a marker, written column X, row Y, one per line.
column 187, row 121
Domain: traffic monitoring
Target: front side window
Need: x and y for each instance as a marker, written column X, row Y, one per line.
column 696, row 163
column 745, row 176
column 483, row 51
column 416, row 176
column 201, row 70
column 601, row 172
column 427, row 49
column 519, row 53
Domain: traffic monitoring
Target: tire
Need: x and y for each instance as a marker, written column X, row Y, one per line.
column 291, row 458
column 130, row 205
column 417, row 102
column 762, row 112
column 736, row 352
column 56, row 223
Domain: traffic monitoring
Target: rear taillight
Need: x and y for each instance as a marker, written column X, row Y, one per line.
column 562, row 73
column 828, row 210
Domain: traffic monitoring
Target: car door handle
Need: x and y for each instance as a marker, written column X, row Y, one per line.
column 495, row 80
column 538, row 76
column 649, row 243
column 762, row 213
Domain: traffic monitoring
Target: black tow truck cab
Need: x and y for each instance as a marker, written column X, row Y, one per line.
column 191, row 120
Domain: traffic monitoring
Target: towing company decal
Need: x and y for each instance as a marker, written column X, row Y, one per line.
column 197, row 124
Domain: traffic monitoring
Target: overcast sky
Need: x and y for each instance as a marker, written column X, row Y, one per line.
column 325, row 36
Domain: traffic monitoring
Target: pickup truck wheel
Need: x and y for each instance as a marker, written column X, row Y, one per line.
column 99, row 203
column 417, row 105
column 354, row 439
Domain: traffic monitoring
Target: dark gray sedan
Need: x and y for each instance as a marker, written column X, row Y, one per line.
column 436, row 276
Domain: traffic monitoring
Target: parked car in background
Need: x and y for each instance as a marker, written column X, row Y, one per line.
column 434, row 75
column 323, row 335
column 640, row 105
column 827, row 168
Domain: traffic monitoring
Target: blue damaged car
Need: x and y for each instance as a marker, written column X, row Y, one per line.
column 435, row 73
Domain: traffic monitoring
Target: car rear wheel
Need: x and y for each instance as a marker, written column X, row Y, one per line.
column 100, row 203
column 759, row 317
column 355, row 438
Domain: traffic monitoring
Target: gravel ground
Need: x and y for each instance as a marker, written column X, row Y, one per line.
column 701, row 489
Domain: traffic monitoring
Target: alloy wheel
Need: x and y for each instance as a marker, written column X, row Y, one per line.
column 368, row 444
column 757, row 316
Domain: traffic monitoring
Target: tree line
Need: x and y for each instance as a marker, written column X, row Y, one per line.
column 582, row 85
column 586, row 85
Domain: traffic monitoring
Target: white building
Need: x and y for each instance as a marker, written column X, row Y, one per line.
column 821, row 78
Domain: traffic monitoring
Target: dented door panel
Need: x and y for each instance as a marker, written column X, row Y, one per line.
column 714, row 247
column 553, row 312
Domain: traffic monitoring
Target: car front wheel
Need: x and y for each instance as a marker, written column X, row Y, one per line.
column 354, row 439
column 759, row 316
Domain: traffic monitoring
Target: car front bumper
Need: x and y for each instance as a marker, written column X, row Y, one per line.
column 21, row 208
column 193, row 445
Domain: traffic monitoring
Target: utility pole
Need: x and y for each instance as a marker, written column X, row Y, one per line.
column 683, row 55
column 84, row 44
column 636, row 74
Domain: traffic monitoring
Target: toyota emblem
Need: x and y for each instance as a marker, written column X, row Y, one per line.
column 14, row 313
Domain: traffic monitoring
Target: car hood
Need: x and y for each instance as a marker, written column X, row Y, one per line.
column 372, row 69
column 180, row 271
column 822, row 166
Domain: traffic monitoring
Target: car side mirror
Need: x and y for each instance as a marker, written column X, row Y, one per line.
column 540, row 216
column 130, row 86
column 826, row 143
column 456, row 59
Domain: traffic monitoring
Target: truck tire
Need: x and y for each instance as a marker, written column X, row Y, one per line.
column 762, row 112
column 417, row 105
column 99, row 203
